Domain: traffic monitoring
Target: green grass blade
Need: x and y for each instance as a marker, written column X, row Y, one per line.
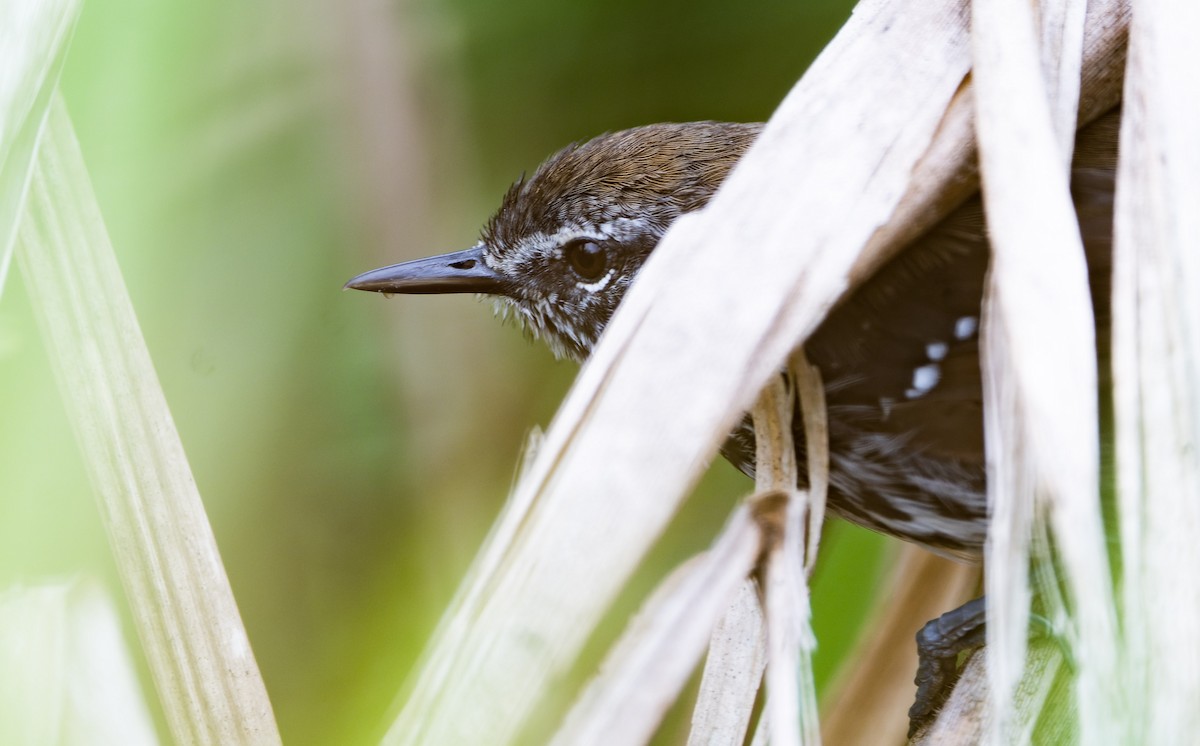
column 203, row 667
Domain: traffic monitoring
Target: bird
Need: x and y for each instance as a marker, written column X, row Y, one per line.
column 899, row 355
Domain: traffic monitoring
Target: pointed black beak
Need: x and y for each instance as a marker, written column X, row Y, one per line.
column 459, row 272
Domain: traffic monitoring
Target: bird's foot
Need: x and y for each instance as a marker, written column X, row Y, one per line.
column 939, row 643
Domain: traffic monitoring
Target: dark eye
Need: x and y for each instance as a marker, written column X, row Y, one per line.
column 587, row 259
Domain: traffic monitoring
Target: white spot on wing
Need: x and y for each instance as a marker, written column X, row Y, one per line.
column 965, row 327
column 936, row 350
column 923, row 380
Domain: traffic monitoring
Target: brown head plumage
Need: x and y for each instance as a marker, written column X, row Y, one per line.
column 571, row 237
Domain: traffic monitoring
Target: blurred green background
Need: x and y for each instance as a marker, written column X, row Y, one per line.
column 249, row 157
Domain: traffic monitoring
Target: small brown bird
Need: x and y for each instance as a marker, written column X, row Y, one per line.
column 899, row 356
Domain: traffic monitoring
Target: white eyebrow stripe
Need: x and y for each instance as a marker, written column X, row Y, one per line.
column 624, row 229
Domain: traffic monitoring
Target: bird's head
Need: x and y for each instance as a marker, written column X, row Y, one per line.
column 567, row 242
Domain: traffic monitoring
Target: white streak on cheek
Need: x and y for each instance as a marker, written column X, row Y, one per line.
column 598, row 285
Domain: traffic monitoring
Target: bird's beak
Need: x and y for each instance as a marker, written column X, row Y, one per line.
column 459, row 272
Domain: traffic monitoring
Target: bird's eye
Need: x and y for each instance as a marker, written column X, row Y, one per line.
column 587, row 259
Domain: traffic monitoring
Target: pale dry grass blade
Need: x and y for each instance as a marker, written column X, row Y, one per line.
column 774, row 449
column 793, row 530
column 33, row 42
column 1039, row 355
column 791, row 707
column 811, row 392
column 193, row 637
column 737, row 655
column 1156, row 370
column 66, row 674
column 650, row 664
column 1060, row 25
column 717, row 309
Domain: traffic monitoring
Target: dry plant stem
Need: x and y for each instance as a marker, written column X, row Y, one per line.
column 188, row 621
column 1061, row 24
column 737, row 655
column 811, row 392
column 1039, row 359
column 732, row 665
column 1156, row 371
column 791, row 708
column 868, row 701
column 775, row 453
column 650, row 664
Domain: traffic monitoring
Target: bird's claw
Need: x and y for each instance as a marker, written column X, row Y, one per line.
column 939, row 644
